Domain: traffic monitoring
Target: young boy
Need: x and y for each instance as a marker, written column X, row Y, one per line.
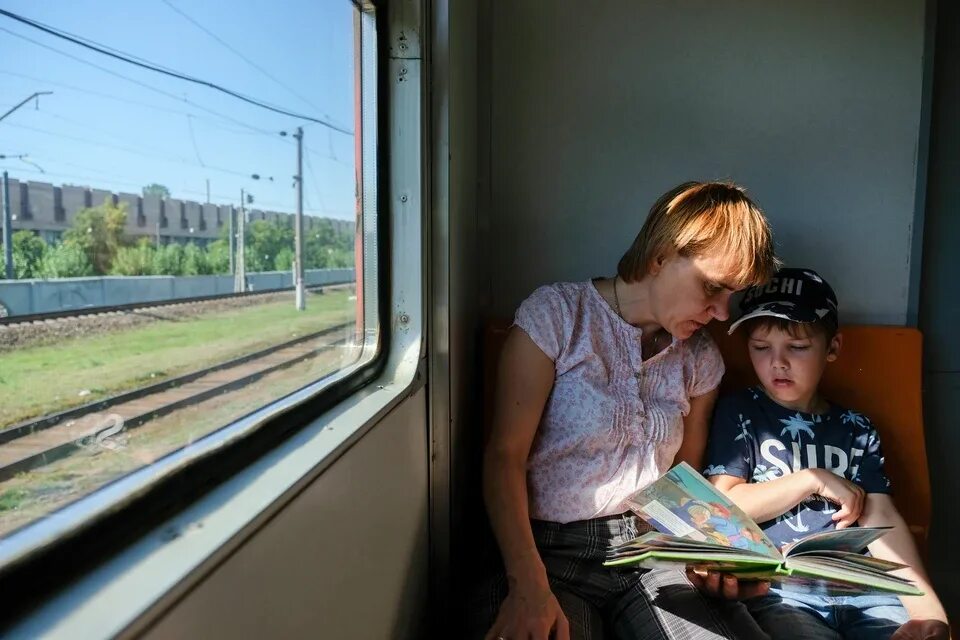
column 799, row 464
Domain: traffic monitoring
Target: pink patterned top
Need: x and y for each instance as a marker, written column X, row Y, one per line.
column 612, row 423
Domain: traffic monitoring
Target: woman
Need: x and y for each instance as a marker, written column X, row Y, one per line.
column 602, row 387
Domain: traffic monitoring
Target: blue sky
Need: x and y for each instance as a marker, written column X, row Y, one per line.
column 105, row 131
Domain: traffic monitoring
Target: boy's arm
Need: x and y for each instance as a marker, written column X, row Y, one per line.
column 898, row 546
column 766, row 500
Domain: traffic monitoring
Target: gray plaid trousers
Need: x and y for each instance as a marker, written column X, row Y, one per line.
column 627, row 604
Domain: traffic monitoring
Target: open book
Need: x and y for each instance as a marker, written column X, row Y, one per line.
column 698, row 526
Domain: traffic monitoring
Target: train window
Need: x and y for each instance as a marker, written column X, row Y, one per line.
column 190, row 233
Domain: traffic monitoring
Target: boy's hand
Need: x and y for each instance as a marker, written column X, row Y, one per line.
column 840, row 491
column 922, row 630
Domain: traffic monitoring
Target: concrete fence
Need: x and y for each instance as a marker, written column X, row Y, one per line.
column 24, row 297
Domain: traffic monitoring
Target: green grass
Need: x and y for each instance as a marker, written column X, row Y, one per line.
column 35, row 493
column 40, row 380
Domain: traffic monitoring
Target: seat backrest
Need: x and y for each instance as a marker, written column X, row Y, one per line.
column 878, row 374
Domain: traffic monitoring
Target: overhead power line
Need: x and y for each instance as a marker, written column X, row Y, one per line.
column 130, row 150
column 106, row 96
column 129, row 59
column 138, row 83
column 226, row 45
column 193, row 140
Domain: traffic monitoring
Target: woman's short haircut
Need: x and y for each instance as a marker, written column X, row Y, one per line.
column 696, row 218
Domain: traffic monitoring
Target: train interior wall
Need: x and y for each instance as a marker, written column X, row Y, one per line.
column 345, row 558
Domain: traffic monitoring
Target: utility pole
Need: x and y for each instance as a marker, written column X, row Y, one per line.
column 232, row 239
column 240, row 275
column 298, row 226
column 208, row 190
column 7, row 229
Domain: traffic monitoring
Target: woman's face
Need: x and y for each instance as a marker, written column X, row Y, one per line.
column 687, row 293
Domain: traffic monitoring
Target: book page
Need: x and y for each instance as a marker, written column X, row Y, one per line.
column 683, row 504
column 851, row 539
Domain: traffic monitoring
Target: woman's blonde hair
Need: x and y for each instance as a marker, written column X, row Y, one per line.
column 696, row 218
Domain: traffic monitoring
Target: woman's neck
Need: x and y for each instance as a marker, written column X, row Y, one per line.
column 635, row 308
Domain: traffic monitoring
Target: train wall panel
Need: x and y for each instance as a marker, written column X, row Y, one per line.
column 669, row 92
column 25, row 297
column 347, row 557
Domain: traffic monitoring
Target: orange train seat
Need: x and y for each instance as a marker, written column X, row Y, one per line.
column 878, row 374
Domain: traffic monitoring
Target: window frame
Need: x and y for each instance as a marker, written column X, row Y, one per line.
column 74, row 548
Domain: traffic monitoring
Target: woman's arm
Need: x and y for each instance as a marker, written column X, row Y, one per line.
column 696, row 428
column 525, row 377
column 897, row 545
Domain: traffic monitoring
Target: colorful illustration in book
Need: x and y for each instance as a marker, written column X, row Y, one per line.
column 687, row 507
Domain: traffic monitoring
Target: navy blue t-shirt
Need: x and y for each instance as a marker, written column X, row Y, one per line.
column 754, row 438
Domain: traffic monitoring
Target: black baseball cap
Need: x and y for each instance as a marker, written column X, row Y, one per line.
column 797, row 295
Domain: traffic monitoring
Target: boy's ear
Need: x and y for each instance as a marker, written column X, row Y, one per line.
column 833, row 349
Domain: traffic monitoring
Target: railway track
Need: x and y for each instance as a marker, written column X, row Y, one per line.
column 40, row 441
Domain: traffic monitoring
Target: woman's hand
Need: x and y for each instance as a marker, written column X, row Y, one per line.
column 840, row 491
column 529, row 612
column 726, row 586
column 922, row 630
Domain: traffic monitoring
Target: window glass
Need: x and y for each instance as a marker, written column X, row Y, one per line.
column 156, row 156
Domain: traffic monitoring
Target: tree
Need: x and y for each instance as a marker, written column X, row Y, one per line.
column 218, row 256
column 194, row 262
column 134, row 261
column 28, row 252
column 98, row 232
column 168, row 260
column 263, row 243
column 324, row 248
column 284, row 260
column 154, row 189
column 65, row 261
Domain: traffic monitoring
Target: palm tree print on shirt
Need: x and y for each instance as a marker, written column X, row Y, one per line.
column 744, row 431
column 763, row 473
column 797, row 526
column 795, row 425
column 715, row 470
column 858, row 419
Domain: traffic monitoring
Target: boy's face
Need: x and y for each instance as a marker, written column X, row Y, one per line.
column 790, row 367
